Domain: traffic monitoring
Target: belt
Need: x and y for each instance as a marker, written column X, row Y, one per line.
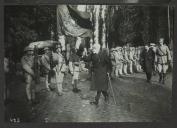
column 161, row 55
column 163, row 63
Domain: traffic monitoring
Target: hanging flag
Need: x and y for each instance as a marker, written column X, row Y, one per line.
column 68, row 26
column 81, row 14
column 81, row 18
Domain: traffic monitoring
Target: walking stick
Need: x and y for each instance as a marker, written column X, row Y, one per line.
column 111, row 88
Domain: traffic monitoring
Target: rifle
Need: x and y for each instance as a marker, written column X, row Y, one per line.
column 36, row 66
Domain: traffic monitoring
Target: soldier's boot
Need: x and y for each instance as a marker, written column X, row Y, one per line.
column 47, row 81
column 120, row 71
column 95, row 102
column 33, row 96
column 76, row 90
column 131, row 68
column 74, row 87
column 116, row 74
column 125, row 69
column 106, row 96
column 163, row 78
column 59, row 89
column 28, row 94
column 160, row 77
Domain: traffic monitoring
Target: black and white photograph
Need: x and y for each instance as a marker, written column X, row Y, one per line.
column 88, row 63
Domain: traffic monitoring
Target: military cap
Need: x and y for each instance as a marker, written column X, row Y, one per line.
column 117, row 48
column 46, row 48
column 58, row 46
column 152, row 44
column 28, row 49
column 112, row 49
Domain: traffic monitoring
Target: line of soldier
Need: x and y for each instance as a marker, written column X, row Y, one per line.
column 125, row 60
column 150, row 58
column 53, row 67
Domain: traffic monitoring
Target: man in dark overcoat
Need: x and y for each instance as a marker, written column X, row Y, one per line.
column 101, row 66
column 147, row 61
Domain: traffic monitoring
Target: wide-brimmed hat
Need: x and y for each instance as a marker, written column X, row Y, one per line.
column 118, row 48
column 46, row 48
column 28, row 49
column 112, row 49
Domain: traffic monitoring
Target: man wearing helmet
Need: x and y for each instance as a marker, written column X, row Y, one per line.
column 60, row 68
column 46, row 64
column 28, row 65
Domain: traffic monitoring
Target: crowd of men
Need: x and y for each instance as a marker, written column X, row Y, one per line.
column 53, row 67
column 118, row 62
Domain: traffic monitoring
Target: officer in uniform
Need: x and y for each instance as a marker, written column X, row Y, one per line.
column 60, row 68
column 27, row 62
column 162, row 59
column 45, row 61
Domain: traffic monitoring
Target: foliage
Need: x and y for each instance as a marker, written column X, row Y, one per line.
column 135, row 25
column 25, row 24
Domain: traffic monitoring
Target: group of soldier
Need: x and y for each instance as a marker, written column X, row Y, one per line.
column 124, row 60
column 151, row 58
column 53, row 67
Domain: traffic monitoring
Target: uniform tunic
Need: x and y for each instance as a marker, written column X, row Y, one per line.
column 60, row 68
column 162, row 58
column 74, row 66
column 45, row 61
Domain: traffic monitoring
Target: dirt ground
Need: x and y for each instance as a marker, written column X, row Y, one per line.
column 135, row 101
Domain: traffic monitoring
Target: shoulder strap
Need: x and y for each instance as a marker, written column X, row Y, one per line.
column 46, row 59
column 161, row 51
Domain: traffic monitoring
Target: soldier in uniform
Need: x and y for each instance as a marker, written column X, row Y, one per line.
column 120, row 51
column 162, row 59
column 137, row 60
column 27, row 62
column 131, row 59
column 74, row 66
column 125, row 63
column 118, row 57
column 45, row 61
column 60, row 68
